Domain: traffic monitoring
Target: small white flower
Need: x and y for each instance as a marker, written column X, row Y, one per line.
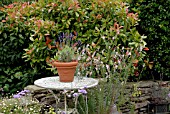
column 87, row 45
column 113, row 38
column 116, row 66
column 118, row 61
column 123, row 56
column 90, row 73
column 103, row 37
column 65, row 91
column 107, row 66
column 79, row 58
column 141, row 48
column 69, row 96
column 78, row 73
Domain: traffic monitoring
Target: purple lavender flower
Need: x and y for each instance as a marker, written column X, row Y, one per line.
column 17, row 96
column 83, row 91
column 85, row 87
column 26, row 91
column 22, row 93
column 62, row 35
column 71, row 36
column 63, row 112
column 79, row 43
column 169, row 95
column 75, row 95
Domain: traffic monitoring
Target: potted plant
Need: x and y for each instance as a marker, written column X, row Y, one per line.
column 65, row 59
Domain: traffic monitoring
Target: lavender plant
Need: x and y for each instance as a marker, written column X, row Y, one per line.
column 67, row 50
column 70, row 94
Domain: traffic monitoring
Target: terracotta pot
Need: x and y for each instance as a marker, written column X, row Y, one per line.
column 66, row 70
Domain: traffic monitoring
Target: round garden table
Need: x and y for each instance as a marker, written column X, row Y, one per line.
column 53, row 83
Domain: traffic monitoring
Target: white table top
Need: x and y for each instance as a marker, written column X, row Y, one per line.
column 54, row 83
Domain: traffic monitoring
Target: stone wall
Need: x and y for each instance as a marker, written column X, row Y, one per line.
column 147, row 93
column 141, row 95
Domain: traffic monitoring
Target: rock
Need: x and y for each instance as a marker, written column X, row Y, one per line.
column 35, row 89
column 164, row 83
column 113, row 109
column 145, row 84
column 140, row 99
column 48, row 100
column 130, row 85
column 140, row 105
column 145, row 90
column 143, row 109
column 39, row 96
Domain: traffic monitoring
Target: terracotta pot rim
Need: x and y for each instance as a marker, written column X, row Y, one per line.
column 65, row 64
column 66, row 67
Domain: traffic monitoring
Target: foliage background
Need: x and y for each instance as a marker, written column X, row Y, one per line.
column 14, row 72
column 154, row 23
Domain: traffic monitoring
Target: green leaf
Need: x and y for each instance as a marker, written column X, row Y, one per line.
column 97, row 29
column 5, row 35
column 9, row 80
column 21, row 41
column 31, row 38
column 6, row 87
column 20, row 35
column 77, row 15
column 12, row 38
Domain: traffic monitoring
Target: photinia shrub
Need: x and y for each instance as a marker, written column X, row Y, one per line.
column 15, row 73
column 99, row 24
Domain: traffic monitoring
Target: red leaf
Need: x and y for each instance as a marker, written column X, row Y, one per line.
column 146, row 49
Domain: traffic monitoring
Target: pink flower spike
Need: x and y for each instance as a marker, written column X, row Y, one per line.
column 127, row 10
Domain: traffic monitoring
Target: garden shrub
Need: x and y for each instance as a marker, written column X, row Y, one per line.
column 99, row 24
column 154, row 16
column 6, row 2
column 15, row 73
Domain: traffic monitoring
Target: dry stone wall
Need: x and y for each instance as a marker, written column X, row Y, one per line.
column 146, row 96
